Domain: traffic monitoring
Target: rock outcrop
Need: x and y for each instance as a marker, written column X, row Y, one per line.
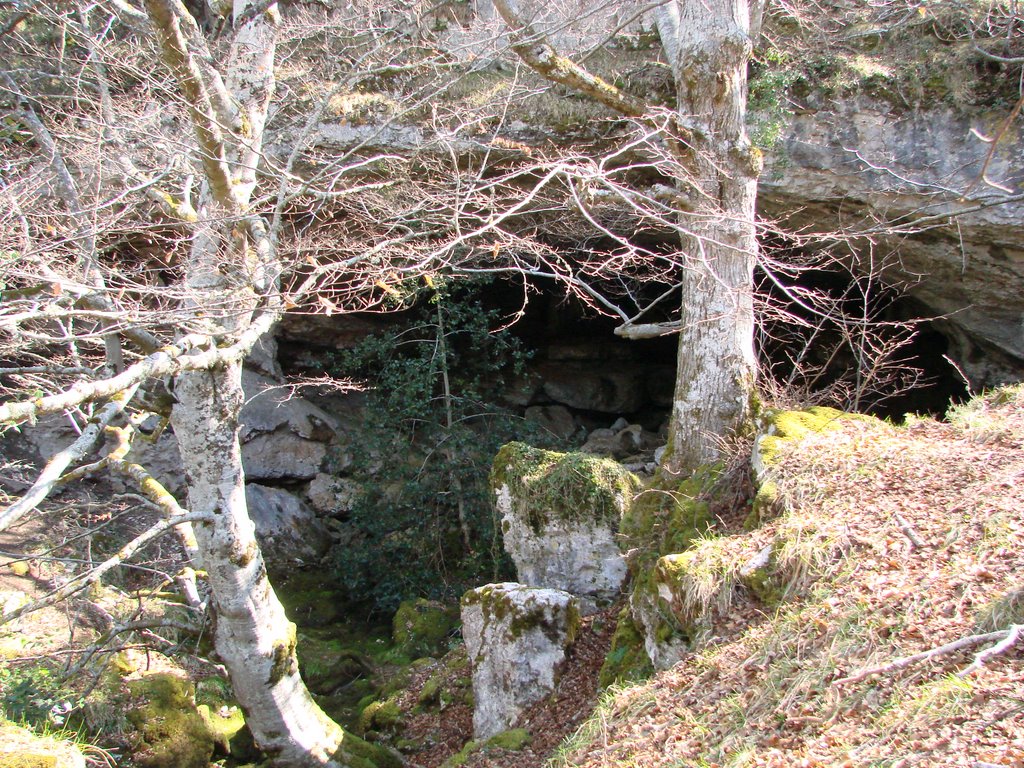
column 516, row 637
column 290, row 533
column 862, row 164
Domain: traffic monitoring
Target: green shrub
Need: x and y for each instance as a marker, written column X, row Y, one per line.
column 433, row 422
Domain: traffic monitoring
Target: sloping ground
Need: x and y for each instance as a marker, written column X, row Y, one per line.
column 910, row 538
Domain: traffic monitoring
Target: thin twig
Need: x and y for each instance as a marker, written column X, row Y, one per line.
column 909, row 532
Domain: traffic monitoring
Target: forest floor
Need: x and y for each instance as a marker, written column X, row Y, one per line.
column 896, row 540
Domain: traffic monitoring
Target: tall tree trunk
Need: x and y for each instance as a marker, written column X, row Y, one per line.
column 707, row 43
column 253, row 637
column 230, row 279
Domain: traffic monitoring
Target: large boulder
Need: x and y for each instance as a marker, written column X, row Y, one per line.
column 590, row 387
column 517, row 638
column 560, row 516
column 288, row 531
column 283, row 437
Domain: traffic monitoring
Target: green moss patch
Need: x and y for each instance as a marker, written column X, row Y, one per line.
column 422, row 628
column 780, row 427
column 563, row 486
column 627, row 659
column 514, row 740
column 357, row 753
column 327, row 664
column 381, row 716
column 169, row 730
column 668, row 516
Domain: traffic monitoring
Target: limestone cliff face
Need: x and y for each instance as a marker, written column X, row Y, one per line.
column 905, row 186
column 910, row 181
column 879, row 136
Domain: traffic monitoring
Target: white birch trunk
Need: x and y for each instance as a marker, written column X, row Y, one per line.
column 253, row 637
column 707, row 43
column 229, row 277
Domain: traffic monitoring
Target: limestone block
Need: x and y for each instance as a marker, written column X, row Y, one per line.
column 560, row 519
column 516, row 637
column 555, row 419
column 582, row 386
column 283, row 437
column 330, row 495
column 288, row 532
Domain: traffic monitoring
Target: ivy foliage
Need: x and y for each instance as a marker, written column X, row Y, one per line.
column 423, row 524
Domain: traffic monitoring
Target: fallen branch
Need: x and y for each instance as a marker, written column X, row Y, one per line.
column 1012, row 636
column 1001, row 638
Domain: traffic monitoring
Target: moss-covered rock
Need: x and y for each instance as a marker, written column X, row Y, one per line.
column 168, row 731
column 357, row 753
column 665, row 519
column 517, row 638
column 21, row 748
column 224, row 719
column 760, row 574
column 422, row 628
column 627, row 659
column 381, row 716
column 327, row 663
column 561, row 514
column 512, row 740
column 777, row 429
column 563, row 486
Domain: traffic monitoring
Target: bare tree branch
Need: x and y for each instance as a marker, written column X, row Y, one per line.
column 51, row 474
column 538, row 53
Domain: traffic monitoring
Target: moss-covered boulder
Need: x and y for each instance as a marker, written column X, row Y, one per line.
column 512, row 740
column 422, row 628
column 358, row 753
column 560, row 516
column 21, row 748
column 517, row 638
column 224, row 719
column 665, row 519
column 776, row 429
column 168, row 730
column 381, row 716
column 627, row 658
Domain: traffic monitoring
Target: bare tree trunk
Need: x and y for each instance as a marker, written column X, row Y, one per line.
column 229, row 276
column 707, row 43
column 253, row 636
